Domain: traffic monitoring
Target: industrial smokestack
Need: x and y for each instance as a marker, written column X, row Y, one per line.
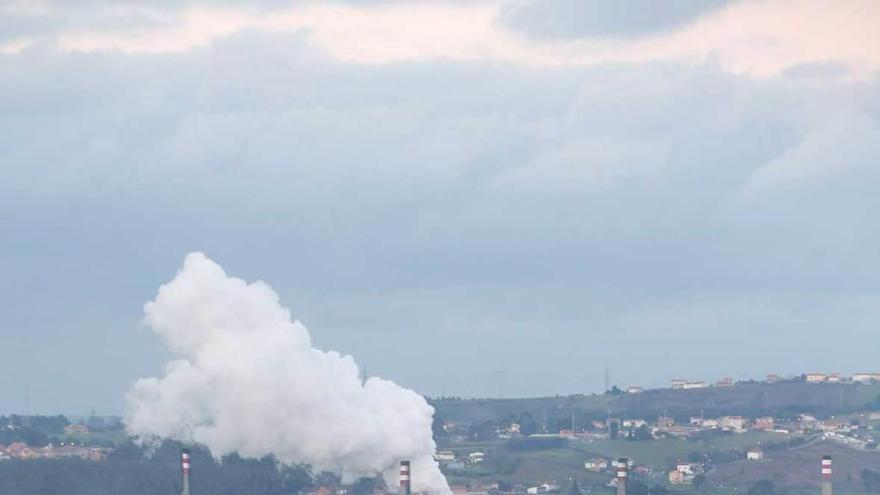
column 826, row 475
column 184, row 468
column 404, row 478
column 622, row 475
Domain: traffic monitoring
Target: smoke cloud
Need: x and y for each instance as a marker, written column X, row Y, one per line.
column 247, row 380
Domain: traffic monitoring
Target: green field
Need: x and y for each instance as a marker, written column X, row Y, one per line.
column 664, row 452
column 565, row 463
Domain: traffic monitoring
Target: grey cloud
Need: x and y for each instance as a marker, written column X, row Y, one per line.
column 601, row 19
column 447, row 206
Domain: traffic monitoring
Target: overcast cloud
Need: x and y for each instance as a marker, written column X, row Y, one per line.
column 515, row 226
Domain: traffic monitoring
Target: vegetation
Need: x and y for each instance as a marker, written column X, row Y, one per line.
column 129, row 471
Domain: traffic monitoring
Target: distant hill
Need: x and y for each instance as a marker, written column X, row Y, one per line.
column 747, row 399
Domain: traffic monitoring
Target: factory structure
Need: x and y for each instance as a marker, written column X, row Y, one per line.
column 184, row 470
column 622, row 475
column 825, row 470
column 620, row 481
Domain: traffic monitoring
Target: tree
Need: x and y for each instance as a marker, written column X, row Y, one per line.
column 527, row 425
column 642, row 433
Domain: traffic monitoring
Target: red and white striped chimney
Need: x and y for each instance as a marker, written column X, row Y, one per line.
column 184, row 468
column 404, row 478
column 826, row 474
column 622, row 475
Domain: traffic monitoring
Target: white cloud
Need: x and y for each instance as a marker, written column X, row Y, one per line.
column 755, row 38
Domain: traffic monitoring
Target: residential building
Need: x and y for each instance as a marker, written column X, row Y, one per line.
column 676, row 477
column 596, row 465
column 689, row 468
column 765, row 423
column 694, row 385
column 733, row 423
column 754, row 455
column 665, row 422
column 866, row 377
column 633, row 423
column 816, row 378
column 444, row 456
column 543, row 488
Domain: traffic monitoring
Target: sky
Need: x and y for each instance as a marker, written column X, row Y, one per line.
column 473, row 198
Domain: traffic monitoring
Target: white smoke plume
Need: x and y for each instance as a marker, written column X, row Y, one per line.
column 247, row 380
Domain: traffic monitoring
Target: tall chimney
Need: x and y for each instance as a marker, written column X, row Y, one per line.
column 826, row 475
column 622, row 475
column 184, row 467
column 404, row 478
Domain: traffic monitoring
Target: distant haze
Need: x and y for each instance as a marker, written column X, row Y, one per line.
column 488, row 198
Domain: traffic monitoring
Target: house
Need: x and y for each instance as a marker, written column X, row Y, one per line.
column 444, row 456
column 569, row 434
column 816, row 378
column 835, row 378
column 544, row 488
column 724, row 382
column 596, row 465
column 665, row 422
column 765, row 423
column 643, row 470
column 711, row 424
column 754, row 455
column 733, row 423
column 807, row 418
column 689, row 468
column 476, row 457
column 678, row 383
column 676, row 477
column 634, row 390
column 633, row 423
column 773, row 378
column 694, row 385
column 866, row 377
column 19, row 450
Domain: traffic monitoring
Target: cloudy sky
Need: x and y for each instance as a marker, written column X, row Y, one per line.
column 499, row 197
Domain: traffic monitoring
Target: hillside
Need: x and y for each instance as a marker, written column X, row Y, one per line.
column 798, row 468
column 747, row 399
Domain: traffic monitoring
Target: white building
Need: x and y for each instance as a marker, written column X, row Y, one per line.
column 866, row 377
column 816, row 377
column 733, row 423
column 597, row 464
column 445, row 456
column 693, row 385
column 754, row 455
